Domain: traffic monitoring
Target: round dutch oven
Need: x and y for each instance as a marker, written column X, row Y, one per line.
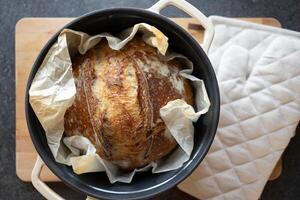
column 145, row 184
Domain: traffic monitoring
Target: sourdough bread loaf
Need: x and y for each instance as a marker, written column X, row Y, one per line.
column 118, row 98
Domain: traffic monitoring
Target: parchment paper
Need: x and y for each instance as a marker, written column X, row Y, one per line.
column 53, row 91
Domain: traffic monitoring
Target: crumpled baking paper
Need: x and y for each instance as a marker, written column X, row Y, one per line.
column 53, row 91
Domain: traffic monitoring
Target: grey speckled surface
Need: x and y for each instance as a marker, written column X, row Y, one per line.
column 286, row 11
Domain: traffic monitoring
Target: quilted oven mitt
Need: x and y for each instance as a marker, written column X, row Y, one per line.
column 258, row 69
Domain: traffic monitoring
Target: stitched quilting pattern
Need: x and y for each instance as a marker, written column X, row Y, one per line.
column 258, row 71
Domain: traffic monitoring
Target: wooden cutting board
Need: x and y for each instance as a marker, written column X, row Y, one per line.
column 31, row 35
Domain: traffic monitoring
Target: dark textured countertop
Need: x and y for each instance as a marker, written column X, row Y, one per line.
column 286, row 11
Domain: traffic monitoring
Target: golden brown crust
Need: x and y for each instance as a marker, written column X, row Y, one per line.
column 119, row 94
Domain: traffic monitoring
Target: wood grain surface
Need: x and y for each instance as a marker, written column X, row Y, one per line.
column 31, row 35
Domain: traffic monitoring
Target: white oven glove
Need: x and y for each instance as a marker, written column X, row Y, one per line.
column 258, row 69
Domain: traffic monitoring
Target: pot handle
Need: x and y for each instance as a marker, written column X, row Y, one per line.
column 193, row 12
column 40, row 186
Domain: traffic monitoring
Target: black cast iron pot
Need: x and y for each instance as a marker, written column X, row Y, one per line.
column 144, row 184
